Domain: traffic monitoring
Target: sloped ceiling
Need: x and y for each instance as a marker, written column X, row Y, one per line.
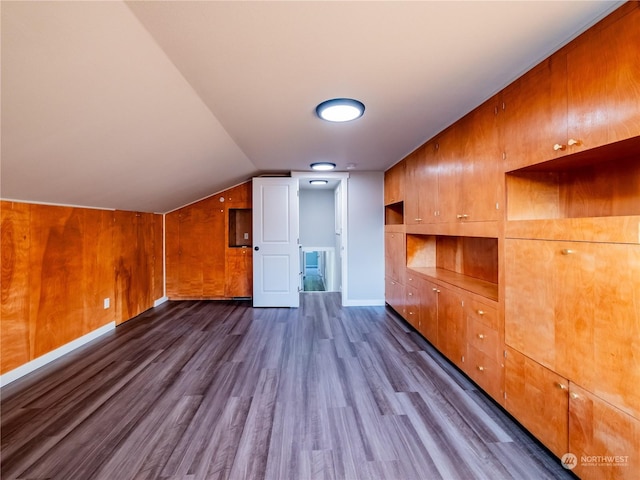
column 151, row 105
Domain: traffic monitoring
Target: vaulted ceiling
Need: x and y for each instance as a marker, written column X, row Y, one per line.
column 151, row 105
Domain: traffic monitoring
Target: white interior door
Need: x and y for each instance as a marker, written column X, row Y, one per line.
column 276, row 260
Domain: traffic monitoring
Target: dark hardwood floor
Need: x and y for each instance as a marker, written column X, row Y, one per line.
column 208, row 390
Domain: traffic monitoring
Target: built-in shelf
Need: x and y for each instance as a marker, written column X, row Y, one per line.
column 602, row 182
column 394, row 214
column 590, row 196
column 240, row 223
column 474, row 285
column 469, row 263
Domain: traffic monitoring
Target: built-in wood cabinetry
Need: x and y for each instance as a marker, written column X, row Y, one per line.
column 208, row 256
column 586, row 95
column 539, row 399
column 521, row 227
column 395, row 269
column 394, row 184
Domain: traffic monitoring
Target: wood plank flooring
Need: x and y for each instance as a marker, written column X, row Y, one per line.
column 215, row 390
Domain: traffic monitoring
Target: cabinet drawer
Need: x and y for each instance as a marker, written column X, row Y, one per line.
column 412, row 306
column 484, row 339
column 486, row 372
column 481, row 312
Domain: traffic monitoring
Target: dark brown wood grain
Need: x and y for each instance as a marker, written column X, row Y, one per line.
column 206, row 390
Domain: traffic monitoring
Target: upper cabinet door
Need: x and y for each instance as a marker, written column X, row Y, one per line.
column 413, row 184
column 603, row 84
column 534, row 123
column 481, row 182
column 394, row 184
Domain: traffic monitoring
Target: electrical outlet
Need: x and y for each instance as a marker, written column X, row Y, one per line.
column 107, row 303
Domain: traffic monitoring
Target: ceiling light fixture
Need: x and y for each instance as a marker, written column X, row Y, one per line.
column 323, row 166
column 318, row 182
column 340, row 110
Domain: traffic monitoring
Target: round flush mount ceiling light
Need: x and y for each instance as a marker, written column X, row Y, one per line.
column 318, row 182
column 323, row 166
column 340, row 110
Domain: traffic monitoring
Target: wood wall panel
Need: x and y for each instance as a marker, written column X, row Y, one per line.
column 134, row 263
column 97, row 271
column 158, row 257
column 14, row 327
column 200, row 264
column 56, row 281
column 59, row 264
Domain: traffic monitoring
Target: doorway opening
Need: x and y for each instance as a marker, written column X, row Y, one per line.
column 322, row 214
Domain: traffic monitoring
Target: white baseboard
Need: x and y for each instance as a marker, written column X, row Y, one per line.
column 365, row 303
column 41, row 361
column 160, row 301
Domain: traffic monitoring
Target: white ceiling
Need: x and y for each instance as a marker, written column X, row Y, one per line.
column 151, row 105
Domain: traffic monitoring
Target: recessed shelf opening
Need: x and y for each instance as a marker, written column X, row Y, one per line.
column 602, row 182
column 394, row 214
column 470, row 263
column 240, row 224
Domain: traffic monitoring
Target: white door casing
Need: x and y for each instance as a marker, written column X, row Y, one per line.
column 276, row 259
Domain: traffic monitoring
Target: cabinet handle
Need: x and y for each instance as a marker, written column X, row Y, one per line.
column 437, row 291
column 434, row 289
column 561, row 386
column 418, row 219
column 574, row 395
column 481, row 336
column 481, row 368
column 567, row 251
column 462, row 216
column 557, row 147
column 480, row 312
column 410, row 294
column 573, row 141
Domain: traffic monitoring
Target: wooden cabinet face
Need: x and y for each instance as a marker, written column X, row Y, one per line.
column 597, row 430
column 412, row 305
column 530, row 299
column 394, row 295
column 469, row 176
column 413, row 182
column 428, row 193
column 604, row 94
column 448, row 156
column 452, row 338
column 485, row 371
column 535, row 115
column 539, row 399
column 429, row 311
column 482, row 155
column 395, row 262
column 573, row 306
column 394, row 184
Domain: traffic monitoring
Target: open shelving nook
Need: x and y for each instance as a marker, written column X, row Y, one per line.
column 588, row 196
column 394, row 214
column 469, row 263
column 240, row 225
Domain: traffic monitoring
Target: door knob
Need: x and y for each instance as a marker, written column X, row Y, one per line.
column 256, row 248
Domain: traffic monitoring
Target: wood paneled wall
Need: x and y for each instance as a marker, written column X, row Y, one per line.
column 200, row 263
column 58, row 266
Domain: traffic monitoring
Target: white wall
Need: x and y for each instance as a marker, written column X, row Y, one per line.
column 317, row 218
column 365, row 243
